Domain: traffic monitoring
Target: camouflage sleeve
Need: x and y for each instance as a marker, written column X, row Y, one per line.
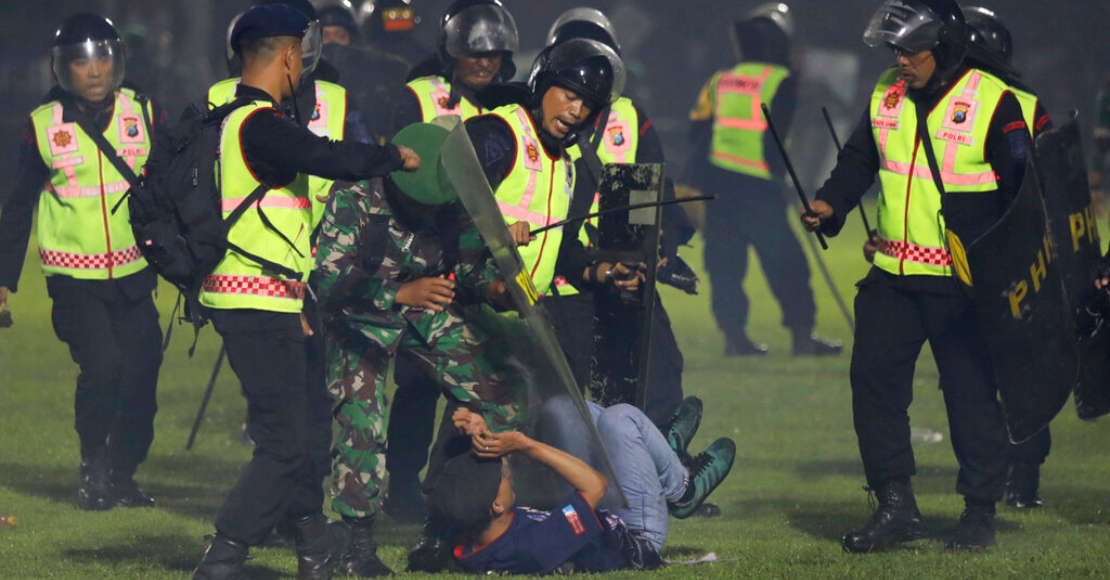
column 476, row 268
column 339, row 277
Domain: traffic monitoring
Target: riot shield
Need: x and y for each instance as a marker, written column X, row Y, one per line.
column 526, row 349
column 622, row 325
column 1074, row 229
column 1019, row 298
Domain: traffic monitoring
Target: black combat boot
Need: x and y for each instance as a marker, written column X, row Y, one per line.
column 1022, row 483
column 95, row 491
column 127, row 493
column 432, row 552
column 318, row 547
column 361, row 558
column 976, row 528
column 223, row 560
column 895, row 521
column 808, row 344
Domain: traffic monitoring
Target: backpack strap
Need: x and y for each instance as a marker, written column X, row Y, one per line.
column 106, row 148
column 255, row 196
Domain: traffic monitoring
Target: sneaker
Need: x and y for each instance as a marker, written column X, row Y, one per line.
column 127, row 493
column 812, row 345
column 683, row 424
column 707, row 470
column 975, row 530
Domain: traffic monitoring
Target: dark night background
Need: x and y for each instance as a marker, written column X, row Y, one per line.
column 671, row 48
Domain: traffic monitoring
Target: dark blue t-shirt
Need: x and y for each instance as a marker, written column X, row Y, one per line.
column 539, row 542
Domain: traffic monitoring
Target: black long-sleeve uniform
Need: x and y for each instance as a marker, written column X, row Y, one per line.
column 751, row 212
column 281, row 371
column 110, row 326
column 895, row 315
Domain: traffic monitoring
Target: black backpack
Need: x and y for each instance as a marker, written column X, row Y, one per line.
column 176, row 210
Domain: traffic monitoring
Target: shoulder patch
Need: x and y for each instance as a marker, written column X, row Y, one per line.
column 575, row 522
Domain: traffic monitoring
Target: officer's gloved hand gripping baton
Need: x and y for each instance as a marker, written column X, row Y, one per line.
column 790, row 170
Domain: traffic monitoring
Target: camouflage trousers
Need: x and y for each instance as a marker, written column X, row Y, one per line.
column 453, row 355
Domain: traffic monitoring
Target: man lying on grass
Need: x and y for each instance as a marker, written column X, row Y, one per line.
column 474, row 495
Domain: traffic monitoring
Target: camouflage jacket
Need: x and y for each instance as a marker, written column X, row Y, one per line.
column 368, row 249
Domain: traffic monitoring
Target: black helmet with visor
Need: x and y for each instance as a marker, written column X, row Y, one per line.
column 89, row 40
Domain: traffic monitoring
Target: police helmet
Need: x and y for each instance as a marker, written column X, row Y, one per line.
column 475, row 26
column 765, row 34
column 588, row 23
column 338, row 15
column 585, row 66
column 87, row 38
column 918, row 25
column 986, row 28
column 312, row 43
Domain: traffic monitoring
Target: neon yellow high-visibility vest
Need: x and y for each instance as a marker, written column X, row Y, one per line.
column 910, row 223
column 78, row 235
column 738, row 124
column 433, row 92
column 329, row 119
column 239, row 282
column 537, row 190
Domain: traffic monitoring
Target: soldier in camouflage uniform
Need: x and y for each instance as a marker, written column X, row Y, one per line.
column 393, row 275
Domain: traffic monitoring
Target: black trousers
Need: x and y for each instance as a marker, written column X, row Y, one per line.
column 892, row 324
column 751, row 213
column 412, row 415
column 113, row 336
column 288, row 414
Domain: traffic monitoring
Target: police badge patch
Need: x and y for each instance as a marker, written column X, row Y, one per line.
column 131, row 129
column 62, row 139
column 616, row 136
column 959, row 113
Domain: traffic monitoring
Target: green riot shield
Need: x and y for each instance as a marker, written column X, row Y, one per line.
column 526, row 349
column 1019, row 298
column 622, row 326
column 1071, row 220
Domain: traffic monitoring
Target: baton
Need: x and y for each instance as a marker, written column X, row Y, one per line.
column 207, row 397
column 790, row 170
column 621, row 208
column 836, row 141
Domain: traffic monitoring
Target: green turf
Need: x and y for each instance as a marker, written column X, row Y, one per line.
column 795, row 489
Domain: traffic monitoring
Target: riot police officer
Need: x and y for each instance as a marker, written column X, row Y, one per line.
column 100, row 284
column 259, row 313
column 910, row 295
column 521, row 146
column 736, row 159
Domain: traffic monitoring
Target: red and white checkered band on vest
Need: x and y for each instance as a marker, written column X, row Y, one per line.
column 70, row 261
column 255, row 286
column 911, row 252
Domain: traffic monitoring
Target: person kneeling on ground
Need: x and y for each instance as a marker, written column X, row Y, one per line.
column 474, row 492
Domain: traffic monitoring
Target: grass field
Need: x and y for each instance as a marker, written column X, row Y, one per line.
column 795, row 488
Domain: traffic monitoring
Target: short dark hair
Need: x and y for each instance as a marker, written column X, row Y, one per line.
column 463, row 494
column 264, row 49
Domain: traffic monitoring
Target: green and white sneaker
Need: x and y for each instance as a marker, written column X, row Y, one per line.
column 683, row 424
column 707, row 470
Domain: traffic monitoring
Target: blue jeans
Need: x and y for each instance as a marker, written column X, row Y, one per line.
column 649, row 471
